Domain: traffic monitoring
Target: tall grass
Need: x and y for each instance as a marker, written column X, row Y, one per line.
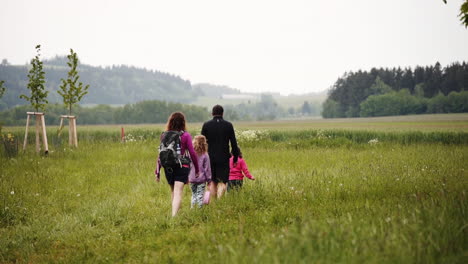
column 294, row 138
column 364, row 136
column 351, row 203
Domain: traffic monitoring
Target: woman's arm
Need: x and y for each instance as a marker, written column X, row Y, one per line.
column 187, row 140
column 157, row 171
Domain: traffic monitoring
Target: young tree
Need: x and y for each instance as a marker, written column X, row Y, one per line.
column 36, row 83
column 71, row 89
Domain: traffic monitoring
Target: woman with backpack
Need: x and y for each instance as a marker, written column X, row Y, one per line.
column 173, row 157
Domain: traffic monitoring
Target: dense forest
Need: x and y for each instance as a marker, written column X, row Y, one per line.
column 109, row 85
column 384, row 92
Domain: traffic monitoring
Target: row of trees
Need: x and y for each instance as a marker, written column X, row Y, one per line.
column 150, row 112
column 147, row 112
column 347, row 95
column 403, row 103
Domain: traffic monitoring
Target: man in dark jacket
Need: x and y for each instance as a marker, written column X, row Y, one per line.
column 219, row 133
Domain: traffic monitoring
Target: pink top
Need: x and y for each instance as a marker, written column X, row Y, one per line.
column 186, row 142
column 238, row 172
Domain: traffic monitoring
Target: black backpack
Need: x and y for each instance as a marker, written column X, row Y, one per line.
column 169, row 150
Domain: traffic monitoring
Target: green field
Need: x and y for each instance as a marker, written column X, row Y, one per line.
column 383, row 190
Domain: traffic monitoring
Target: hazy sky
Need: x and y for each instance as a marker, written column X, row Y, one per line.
column 291, row 46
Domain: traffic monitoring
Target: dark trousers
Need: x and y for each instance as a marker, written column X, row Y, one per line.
column 235, row 185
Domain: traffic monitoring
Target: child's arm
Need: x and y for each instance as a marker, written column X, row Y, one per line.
column 207, row 168
column 245, row 170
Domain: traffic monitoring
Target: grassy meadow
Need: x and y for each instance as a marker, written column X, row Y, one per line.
column 385, row 190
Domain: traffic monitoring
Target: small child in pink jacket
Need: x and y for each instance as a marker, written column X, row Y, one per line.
column 237, row 172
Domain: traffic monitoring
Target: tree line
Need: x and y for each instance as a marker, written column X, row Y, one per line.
column 145, row 112
column 396, row 91
column 154, row 111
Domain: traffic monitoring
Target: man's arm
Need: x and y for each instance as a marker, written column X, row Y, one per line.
column 234, row 147
column 203, row 130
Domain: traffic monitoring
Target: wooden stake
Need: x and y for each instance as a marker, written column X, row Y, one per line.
column 26, row 134
column 44, row 136
column 38, row 130
column 72, row 134
column 61, row 123
column 75, row 137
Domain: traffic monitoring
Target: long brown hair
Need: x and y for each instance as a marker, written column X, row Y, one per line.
column 199, row 144
column 176, row 122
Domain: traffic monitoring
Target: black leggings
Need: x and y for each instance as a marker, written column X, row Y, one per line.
column 235, row 185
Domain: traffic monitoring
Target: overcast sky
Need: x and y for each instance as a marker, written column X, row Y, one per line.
column 291, row 46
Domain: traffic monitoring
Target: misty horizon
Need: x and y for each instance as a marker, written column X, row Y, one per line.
column 287, row 47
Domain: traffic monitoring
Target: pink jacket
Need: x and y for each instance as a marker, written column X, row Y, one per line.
column 238, row 172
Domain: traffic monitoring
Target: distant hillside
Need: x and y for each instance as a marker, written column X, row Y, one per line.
column 212, row 90
column 295, row 100
column 121, row 85
column 109, row 85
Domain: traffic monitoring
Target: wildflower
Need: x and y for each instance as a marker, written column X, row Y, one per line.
column 373, row 141
column 78, row 195
column 12, row 192
column 321, row 134
column 250, row 135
